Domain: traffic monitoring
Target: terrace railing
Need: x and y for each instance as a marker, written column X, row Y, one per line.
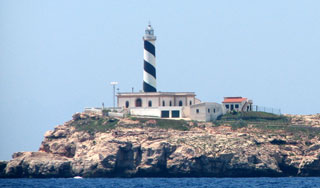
column 257, row 108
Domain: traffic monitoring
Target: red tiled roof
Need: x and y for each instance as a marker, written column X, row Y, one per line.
column 234, row 100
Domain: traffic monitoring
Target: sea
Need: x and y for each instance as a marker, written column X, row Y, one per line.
column 163, row 182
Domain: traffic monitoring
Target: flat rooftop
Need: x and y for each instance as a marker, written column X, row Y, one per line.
column 156, row 94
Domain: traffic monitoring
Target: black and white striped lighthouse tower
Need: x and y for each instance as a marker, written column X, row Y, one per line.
column 149, row 72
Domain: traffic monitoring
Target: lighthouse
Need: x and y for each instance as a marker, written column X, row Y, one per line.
column 149, row 70
column 152, row 103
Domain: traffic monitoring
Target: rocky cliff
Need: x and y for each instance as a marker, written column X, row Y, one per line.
column 133, row 148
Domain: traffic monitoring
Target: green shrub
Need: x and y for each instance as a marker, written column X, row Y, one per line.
column 260, row 116
column 162, row 123
column 195, row 123
column 253, row 116
column 230, row 116
column 172, row 124
column 93, row 125
column 238, row 124
column 234, row 112
column 133, row 118
column 217, row 123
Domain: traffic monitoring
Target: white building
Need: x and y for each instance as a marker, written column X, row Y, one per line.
column 158, row 104
column 176, row 105
column 208, row 111
column 156, row 99
column 151, row 103
column 238, row 104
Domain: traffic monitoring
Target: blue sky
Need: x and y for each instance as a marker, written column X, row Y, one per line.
column 57, row 57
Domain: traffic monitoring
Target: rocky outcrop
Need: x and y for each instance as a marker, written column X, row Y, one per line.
column 311, row 120
column 133, row 151
column 3, row 165
column 38, row 164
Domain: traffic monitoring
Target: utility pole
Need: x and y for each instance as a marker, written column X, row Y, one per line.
column 114, row 93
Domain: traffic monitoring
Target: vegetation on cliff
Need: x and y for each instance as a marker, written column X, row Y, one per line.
column 263, row 121
column 99, row 146
column 267, row 122
column 255, row 116
column 94, row 124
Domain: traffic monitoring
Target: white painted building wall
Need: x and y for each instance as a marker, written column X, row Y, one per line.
column 152, row 112
column 166, row 101
column 206, row 111
column 186, row 112
column 157, row 99
column 155, row 111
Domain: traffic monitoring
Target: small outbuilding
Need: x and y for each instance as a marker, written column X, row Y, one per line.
column 207, row 111
column 239, row 104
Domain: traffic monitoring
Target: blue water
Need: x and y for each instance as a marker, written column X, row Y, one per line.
column 163, row 182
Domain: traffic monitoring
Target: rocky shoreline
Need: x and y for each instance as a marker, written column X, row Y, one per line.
column 130, row 150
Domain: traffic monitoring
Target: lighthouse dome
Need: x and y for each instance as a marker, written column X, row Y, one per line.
column 149, row 30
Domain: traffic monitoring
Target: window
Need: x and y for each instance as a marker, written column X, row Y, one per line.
column 190, row 103
column 175, row 113
column 138, row 102
column 227, row 106
column 237, row 106
column 150, row 103
column 197, row 111
column 231, row 107
column 180, row 103
column 165, row 113
column 170, row 103
column 214, row 110
column 163, row 103
column 127, row 104
column 208, row 110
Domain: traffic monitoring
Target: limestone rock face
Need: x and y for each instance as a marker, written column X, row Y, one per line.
column 312, row 120
column 3, row 165
column 38, row 164
column 152, row 152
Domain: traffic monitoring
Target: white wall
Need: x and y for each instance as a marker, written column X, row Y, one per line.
column 154, row 112
column 156, row 100
column 192, row 99
column 167, row 101
column 216, row 110
column 186, row 112
column 145, row 112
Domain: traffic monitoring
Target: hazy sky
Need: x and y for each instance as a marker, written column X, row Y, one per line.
column 58, row 57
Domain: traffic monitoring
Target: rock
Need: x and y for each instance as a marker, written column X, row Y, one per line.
column 59, row 134
column 278, row 142
column 3, row 165
column 39, row 165
column 153, row 152
column 310, row 167
column 151, row 122
column 84, row 116
column 48, row 134
column 314, row 147
column 312, row 120
column 17, row 154
column 76, row 116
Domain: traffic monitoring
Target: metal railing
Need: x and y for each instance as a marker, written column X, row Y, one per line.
column 257, row 108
